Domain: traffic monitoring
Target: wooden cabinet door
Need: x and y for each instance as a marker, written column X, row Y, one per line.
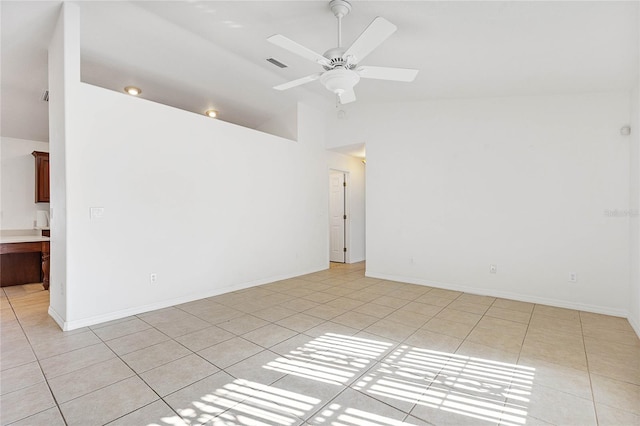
column 42, row 176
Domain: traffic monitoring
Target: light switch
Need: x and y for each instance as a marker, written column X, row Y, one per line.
column 96, row 212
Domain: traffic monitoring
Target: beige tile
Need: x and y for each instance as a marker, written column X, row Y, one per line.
column 292, row 345
column 80, row 382
column 274, row 313
column 559, row 377
column 392, row 384
column 554, row 312
column 49, row 417
column 468, row 307
column 300, row 305
column 64, row 344
column 300, row 322
column 509, row 314
column 605, row 321
column 269, row 335
column 623, row 337
column 204, row 338
column 390, row 301
column 365, row 295
column 445, row 294
column 243, row 324
column 476, row 299
column 109, row 403
column 430, row 299
column 345, row 303
column 514, row 305
column 155, row 356
column 355, row 320
column 17, row 353
column 408, row 318
column 553, row 406
column 258, row 368
column 455, row 315
column 121, row 329
column 507, row 340
column 422, row 309
column 445, row 405
column 501, row 324
column 17, row 378
column 230, row 352
column 206, row 399
column 478, row 350
column 320, row 297
column 25, row 402
column 136, row 341
column 325, row 312
column 610, row 416
column 555, row 351
column 156, row 413
column 178, row 374
column 546, row 323
column 447, row 327
column 331, row 327
column 614, row 363
column 182, row 326
column 218, row 315
column 426, row 339
column 615, row 393
column 392, row 330
column 374, row 309
column 75, row 360
column 358, row 407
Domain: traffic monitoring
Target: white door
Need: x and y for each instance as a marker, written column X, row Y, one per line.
column 337, row 217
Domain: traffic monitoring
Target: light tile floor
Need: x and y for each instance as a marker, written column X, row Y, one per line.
column 332, row 347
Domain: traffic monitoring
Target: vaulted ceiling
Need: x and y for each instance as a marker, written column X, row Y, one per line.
column 198, row 55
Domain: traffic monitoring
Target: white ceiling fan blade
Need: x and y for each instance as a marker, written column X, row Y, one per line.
column 298, row 82
column 373, row 36
column 386, row 73
column 298, row 49
column 347, row 97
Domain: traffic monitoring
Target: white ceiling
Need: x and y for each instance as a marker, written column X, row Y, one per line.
column 197, row 55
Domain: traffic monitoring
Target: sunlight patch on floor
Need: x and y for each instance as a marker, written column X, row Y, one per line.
column 432, row 381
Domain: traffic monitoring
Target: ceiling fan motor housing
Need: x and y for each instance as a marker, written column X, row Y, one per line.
column 339, row 80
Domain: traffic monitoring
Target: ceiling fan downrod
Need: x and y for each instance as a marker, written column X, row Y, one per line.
column 340, row 9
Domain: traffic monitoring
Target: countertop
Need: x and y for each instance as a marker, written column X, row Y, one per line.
column 23, row 239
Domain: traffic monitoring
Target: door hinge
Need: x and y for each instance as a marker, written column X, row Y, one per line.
column 345, row 249
column 344, row 217
column 344, row 183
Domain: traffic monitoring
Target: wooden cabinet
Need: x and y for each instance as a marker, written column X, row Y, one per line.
column 42, row 176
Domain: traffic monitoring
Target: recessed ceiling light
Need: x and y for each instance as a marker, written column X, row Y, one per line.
column 132, row 90
column 211, row 113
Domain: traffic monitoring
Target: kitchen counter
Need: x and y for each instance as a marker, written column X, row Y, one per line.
column 22, row 239
column 25, row 259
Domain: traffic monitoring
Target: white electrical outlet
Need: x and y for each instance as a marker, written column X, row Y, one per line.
column 153, row 278
column 493, row 269
column 573, row 277
column 96, row 212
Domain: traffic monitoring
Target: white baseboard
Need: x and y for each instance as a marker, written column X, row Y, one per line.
column 506, row 295
column 635, row 325
column 85, row 322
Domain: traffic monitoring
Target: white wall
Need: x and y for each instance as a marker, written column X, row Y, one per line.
column 355, row 203
column 456, row 185
column 206, row 205
column 17, row 174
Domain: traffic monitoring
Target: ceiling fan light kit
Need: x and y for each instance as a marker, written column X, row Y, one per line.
column 341, row 66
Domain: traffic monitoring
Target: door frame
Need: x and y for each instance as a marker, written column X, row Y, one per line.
column 347, row 222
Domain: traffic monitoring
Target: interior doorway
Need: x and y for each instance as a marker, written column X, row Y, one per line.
column 338, row 216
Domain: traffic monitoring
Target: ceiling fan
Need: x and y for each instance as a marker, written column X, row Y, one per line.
column 341, row 65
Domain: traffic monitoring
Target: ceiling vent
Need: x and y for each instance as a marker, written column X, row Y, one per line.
column 277, row 63
column 45, row 96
